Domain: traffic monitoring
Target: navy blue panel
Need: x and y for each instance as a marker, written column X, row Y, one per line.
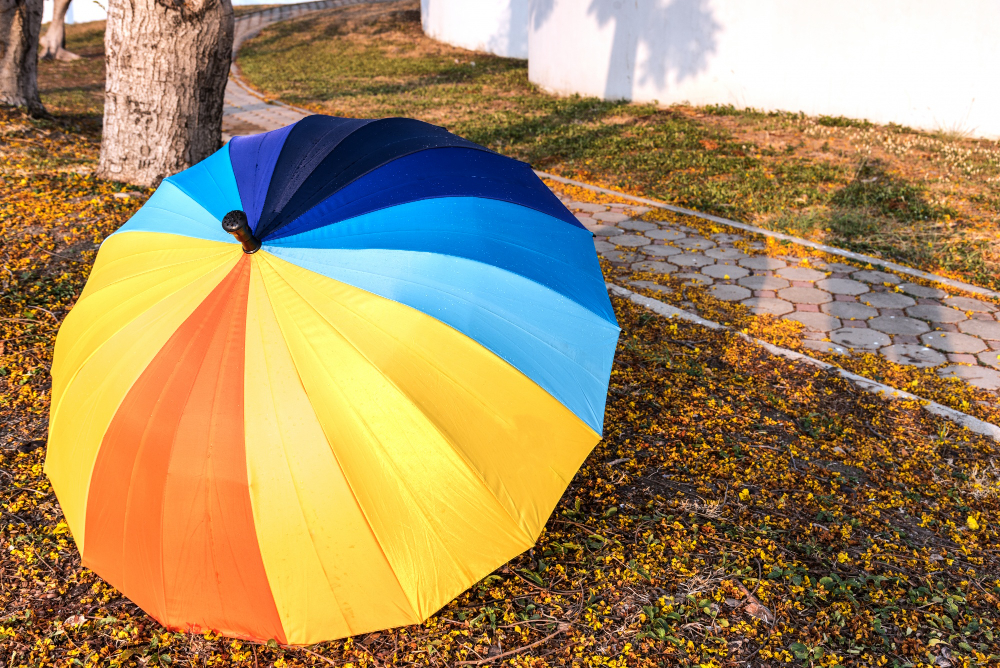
column 253, row 158
column 308, row 144
column 439, row 172
column 368, row 147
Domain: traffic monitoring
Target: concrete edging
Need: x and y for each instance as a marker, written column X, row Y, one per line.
column 962, row 419
column 899, row 268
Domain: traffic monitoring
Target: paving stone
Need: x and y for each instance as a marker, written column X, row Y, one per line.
column 587, row 206
column 860, row 324
column 962, row 358
column 835, row 266
column 808, row 308
column 935, row 313
column 620, row 256
column 695, row 279
column 953, row 342
column 969, row 304
column 661, row 250
column 853, row 337
column 729, row 293
column 805, row 295
column 763, row 283
column 637, row 225
column 842, row 286
column 990, row 357
column 826, row 347
column 602, row 246
column 725, row 271
column 585, row 219
column 639, row 210
column 650, row 285
column 692, row 260
column 723, row 238
column 872, row 276
column 913, row 355
column 887, row 300
column 757, row 245
column 666, row 235
column 655, row 267
column 890, row 324
column 801, row 274
column 849, row 310
column 977, row 376
column 610, row 216
column 605, row 231
column 768, row 305
column 631, row 240
column 982, row 328
column 725, row 253
column 698, row 243
column 770, row 294
column 763, row 263
column 922, row 291
column 819, row 322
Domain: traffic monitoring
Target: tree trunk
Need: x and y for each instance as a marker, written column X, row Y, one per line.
column 167, row 66
column 54, row 42
column 20, row 23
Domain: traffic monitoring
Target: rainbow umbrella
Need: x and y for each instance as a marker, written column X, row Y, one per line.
column 336, row 414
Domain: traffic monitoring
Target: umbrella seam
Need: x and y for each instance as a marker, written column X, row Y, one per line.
column 488, row 310
column 444, row 437
column 378, row 541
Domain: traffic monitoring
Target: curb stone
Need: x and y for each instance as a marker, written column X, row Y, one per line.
column 962, row 419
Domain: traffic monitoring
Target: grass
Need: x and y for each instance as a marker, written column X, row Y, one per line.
column 739, row 509
column 76, row 89
column 928, row 200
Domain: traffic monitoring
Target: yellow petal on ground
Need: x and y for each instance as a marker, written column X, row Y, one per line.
column 328, row 574
column 126, row 315
column 455, row 457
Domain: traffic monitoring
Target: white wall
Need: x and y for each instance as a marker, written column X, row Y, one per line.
column 924, row 63
column 494, row 26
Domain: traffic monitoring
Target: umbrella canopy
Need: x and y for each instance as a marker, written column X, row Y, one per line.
column 336, row 414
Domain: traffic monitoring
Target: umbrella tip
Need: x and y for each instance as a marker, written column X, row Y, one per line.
column 235, row 222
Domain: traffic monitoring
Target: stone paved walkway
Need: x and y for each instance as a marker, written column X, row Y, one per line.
column 245, row 112
column 842, row 307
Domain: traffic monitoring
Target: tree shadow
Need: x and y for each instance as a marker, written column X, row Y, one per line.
column 675, row 39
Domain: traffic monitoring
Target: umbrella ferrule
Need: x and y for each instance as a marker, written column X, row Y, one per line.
column 235, row 222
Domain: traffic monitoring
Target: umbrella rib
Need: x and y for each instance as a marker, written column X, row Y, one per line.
column 500, row 240
column 298, row 496
column 437, row 429
column 99, row 347
column 224, row 252
column 413, row 608
column 458, row 296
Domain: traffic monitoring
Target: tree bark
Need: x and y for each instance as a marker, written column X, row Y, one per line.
column 167, row 66
column 20, row 23
column 54, row 42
